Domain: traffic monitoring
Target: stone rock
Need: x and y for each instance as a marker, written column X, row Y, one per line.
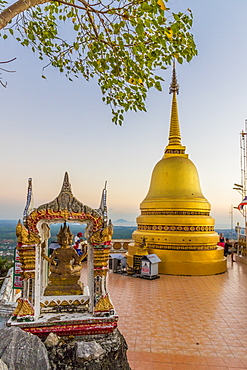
column 87, row 351
column 52, row 340
column 3, row 366
column 20, row 350
column 106, row 352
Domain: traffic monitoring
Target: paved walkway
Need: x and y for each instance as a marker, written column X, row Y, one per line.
column 184, row 322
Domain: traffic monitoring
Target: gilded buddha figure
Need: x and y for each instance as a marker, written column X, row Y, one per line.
column 64, row 266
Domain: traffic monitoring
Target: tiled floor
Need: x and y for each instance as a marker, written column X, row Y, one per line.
column 184, row 322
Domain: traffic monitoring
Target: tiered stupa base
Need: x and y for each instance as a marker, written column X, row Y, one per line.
column 185, row 263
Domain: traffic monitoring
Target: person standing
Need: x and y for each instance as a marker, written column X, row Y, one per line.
column 77, row 241
column 222, row 238
column 221, row 241
column 232, row 251
column 227, row 247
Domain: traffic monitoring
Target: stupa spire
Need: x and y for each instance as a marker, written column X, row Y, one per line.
column 174, row 145
column 174, row 87
column 174, row 136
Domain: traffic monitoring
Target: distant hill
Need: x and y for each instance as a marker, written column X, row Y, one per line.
column 123, row 229
column 123, row 222
column 7, row 230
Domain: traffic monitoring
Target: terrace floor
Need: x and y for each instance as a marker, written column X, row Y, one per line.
column 184, row 322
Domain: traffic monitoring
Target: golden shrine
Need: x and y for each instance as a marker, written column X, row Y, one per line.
column 54, row 297
column 175, row 219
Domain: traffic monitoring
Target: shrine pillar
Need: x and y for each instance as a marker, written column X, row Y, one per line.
column 102, row 303
column 38, row 286
column 90, row 275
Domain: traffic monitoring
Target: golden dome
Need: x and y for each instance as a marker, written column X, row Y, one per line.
column 174, row 177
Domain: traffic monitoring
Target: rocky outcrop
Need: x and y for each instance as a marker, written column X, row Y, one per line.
column 106, row 353
column 87, row 351
column 21, row 351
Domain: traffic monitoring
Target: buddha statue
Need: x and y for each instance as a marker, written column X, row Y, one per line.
column 64, row 266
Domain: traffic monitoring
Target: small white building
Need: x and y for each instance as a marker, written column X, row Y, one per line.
column 149, row 265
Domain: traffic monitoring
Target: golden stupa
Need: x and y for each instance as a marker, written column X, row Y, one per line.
column 175, row 221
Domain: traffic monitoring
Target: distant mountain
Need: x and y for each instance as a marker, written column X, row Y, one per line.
column 123, row 222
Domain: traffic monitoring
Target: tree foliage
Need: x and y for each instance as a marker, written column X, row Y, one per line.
column 126, row 44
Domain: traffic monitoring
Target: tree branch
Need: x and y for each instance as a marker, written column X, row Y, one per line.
column 16, row 8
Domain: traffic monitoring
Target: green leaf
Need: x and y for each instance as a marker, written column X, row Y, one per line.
column 157, row 85
column 140, row 29
column 146, row 7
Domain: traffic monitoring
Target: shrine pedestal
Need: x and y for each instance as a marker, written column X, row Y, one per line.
column 65, row 303
column 76, row 324
column 59, row 286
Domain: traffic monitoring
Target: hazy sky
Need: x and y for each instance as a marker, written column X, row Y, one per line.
column 54, row 125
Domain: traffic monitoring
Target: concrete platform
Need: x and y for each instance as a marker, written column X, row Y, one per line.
column 184, row 322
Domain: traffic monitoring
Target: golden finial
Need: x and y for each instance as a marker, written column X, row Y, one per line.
column 64, row 235
column 174, row 136
column 174, row 146
column 174, row 87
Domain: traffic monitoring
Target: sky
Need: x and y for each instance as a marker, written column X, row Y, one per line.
column 54, row 125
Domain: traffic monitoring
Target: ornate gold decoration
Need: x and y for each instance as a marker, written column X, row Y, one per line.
column 49, row 215
column 27, row 260
column 24, row 308
column 183, row 247
column 25, row 236
column 65, row 236
column 101, row 257
column 102, row 235
column 142, row 249
column 174, row 86
column 65, row 302
column 104, row 304
column 176, row 213
column 28, row 275
column 64, row 207
column 100, row 272
column 176, row 228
